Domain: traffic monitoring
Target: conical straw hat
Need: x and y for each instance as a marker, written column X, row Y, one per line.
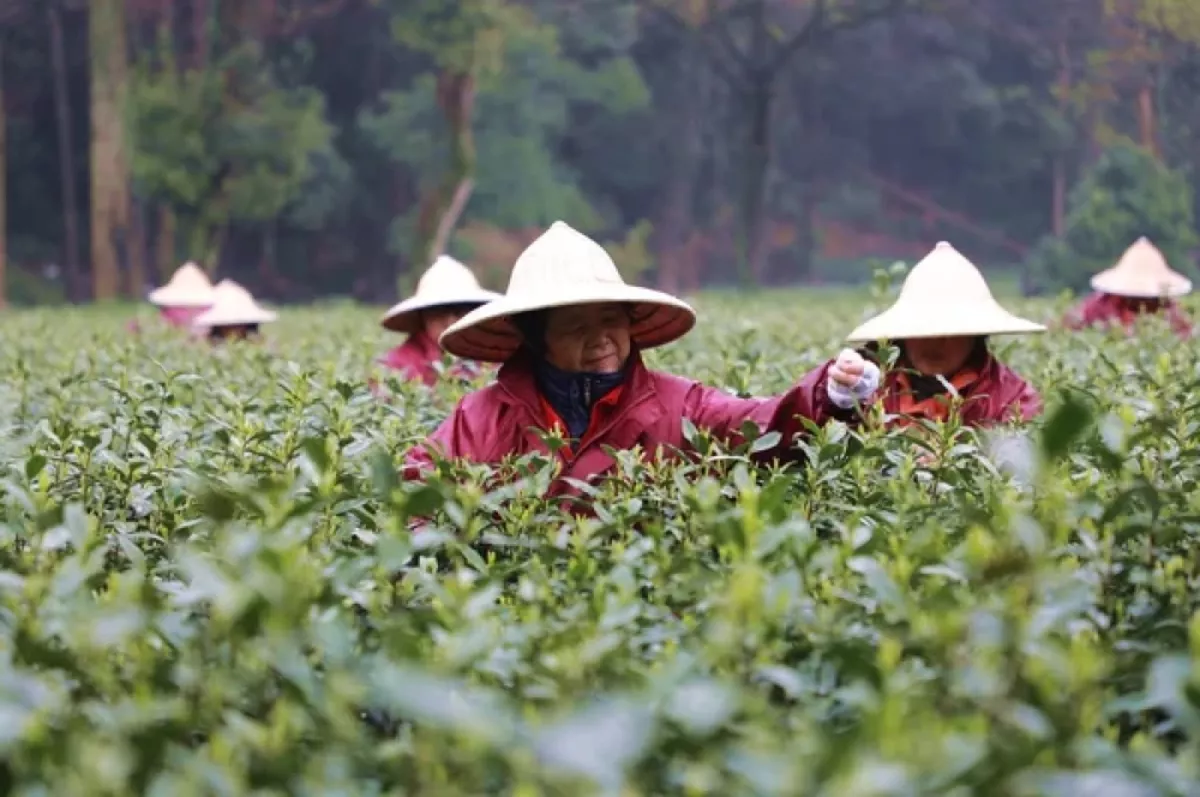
column 188, row 287
column 943, row 296
column 1142, row 272
column 446, row 282
column 233, row 306
column 564, row 268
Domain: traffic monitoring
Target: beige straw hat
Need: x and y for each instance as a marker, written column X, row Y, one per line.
column 562, row 268
column 446, row 282
column 943, row 296
column 233, row 306
column 188, row 287
column 1143, row 273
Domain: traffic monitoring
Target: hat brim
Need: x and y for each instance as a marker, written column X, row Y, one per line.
column 902, row 323
column 258, row 316
column 1112, row 283
column 487, row 333
column 405, row 316
column 166, row 297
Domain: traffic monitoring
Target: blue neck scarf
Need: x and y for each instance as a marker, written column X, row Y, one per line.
column 572, row 395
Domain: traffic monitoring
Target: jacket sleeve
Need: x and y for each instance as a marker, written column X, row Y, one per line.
column 456, row 437
column 1014, row 400
column 1084, row 314
column 1179, row 321
column 723, row 414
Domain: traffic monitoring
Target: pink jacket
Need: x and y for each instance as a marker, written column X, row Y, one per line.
column 503, row 418
column 415, row 359
column 1105, row 308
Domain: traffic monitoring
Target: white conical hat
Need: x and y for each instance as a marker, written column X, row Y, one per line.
column 563, row 268
column 446, row 282
column 943, row 296
column 188, row 287
column 232, row 306
column 1142, row 272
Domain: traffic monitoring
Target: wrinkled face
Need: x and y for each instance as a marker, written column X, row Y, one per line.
column 943, row 356
column 438, row 319
column 590, row 337
column 180, row 316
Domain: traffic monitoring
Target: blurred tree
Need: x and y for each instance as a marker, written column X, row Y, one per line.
column 1129, row 193
column 224, row 143
column 464, row 42
column 519, row 115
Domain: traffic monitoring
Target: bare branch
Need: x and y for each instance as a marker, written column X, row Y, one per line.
column 802, row 38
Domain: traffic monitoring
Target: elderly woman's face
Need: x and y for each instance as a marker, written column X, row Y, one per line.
column 590, row 337
column 943, row 356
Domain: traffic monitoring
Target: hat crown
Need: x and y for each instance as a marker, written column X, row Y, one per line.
column 945, row 275
column 189, row 276
column 447, row 276
column 562, row 256
column 1142, row 271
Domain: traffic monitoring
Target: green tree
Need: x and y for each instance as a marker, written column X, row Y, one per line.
column 1129, row 193
column 520, row 115
column 225, row 144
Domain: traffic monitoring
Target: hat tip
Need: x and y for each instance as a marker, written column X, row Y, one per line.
column 943, row 245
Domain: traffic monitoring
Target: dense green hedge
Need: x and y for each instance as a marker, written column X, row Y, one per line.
column 206, row 586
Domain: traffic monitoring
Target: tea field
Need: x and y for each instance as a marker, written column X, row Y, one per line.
column 208, row 585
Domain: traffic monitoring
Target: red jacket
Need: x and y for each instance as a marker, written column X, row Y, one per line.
column 992, row 394
column 416, row 357
column 502, row 419
column 1106, row 308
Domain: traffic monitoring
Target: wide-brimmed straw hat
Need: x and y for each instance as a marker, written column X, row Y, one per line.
column 446, row 282
column 1143, row 273
column 565, row 268
column 188, row 287
column 233, row 306
column 943, row 296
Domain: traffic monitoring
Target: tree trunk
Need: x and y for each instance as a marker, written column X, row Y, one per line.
column 755, row 168
column 137, row 249
column 442, row 205
column 3, row 187
column 1058, row 198
column 73, row 276
column 109, row 165
column 674, row 222
column 201, row 22
column 164, row 244
column 1146, row 125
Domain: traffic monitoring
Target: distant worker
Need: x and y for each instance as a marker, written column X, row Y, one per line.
column 445, row 293
column 941, row 323
column 185, row 296
column 234, row 314
column 1141, row 283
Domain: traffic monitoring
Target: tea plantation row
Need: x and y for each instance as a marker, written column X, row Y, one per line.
column 207, row 585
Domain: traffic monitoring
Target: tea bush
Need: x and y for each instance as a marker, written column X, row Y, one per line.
column 207, row 583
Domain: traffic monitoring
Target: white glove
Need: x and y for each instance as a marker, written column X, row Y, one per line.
column 851, row 379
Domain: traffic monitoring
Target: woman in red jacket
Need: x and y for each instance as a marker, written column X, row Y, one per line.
column 446, row 292
column 941, row 323
column 1141, row 283
column 570, row 333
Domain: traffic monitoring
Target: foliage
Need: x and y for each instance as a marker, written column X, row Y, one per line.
column 520, row 180
column 207, row 585
column 229, row 143
column 1127, row 195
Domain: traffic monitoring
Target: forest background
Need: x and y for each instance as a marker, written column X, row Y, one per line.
column 316, row 148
